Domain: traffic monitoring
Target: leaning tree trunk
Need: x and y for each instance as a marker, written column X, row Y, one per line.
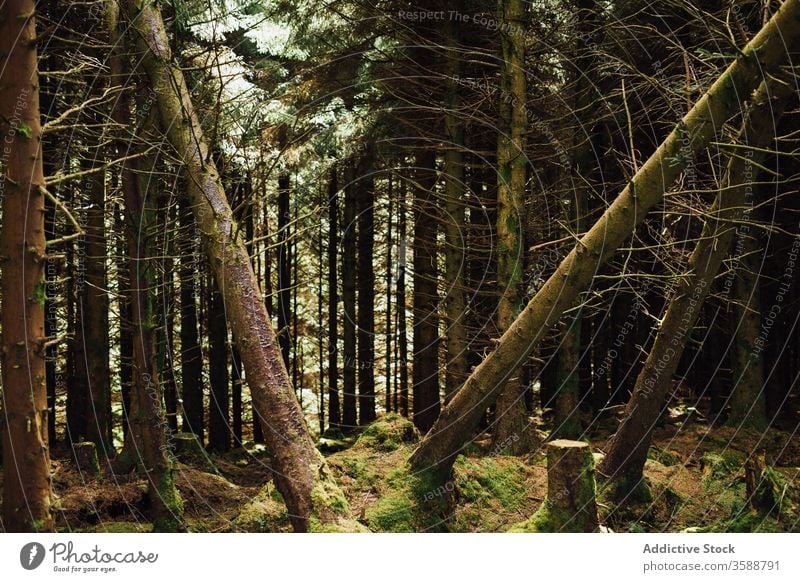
column 627, row 451
column 27, row 491
column 301, row 474
column 510, row 411
column 646, row 189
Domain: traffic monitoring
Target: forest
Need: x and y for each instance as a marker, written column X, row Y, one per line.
column 393, row 266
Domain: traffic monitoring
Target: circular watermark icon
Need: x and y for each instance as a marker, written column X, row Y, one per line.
column 31, row 555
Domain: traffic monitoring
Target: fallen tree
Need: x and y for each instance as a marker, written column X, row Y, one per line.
column 301, row 475
column 627, row 451
column 460, row 417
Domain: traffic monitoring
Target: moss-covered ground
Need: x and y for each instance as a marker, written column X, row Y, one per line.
column 694, row 481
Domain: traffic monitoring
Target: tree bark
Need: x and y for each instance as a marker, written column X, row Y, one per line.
column 191, row 355
column 27, row 490
column 747, row 399
column 349, row 251
column 646, row 189
column 146, row 438
column 457, row 366
column 571, row 504
column 567, row 422
column 400, row 304
column 301, row 474
column 627, row 450
column 284, row 270
column 390, row 376
column 426, row 296
column 366, row 290
column 219, row 402
column 510, row 412
column 334, row 406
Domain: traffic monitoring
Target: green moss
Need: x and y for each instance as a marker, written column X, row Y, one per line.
column 326, row 495
column 388, row 433
column 547, row 519
column 748, row 522
column 662, row 456
column 338, row 526
column 719, row 466
column 170, row 518
column 629, row 491
column 115, row 527
column 393, row 512
column 263, row 514
column 500, row 478
column 359, row 469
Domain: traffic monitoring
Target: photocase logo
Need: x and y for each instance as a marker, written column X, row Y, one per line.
column 31, row 555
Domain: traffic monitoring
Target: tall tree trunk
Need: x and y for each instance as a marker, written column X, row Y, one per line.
column 125, row 328
column 389, row 248
column 236, row 395
column 191, row 354
column 567, row 423
column 426, row 295
column 301, row 473
column 320, row 319
column 747, row 400
column 511, row 415
column 27, row 491
column 627, row 450
column 165, row 306
column 219, row 402
column 334, row 407
column 575, row 273
column 400, row 304
column 53, row 378
column 349, row 241
column 457, row 367
column 147, row 433
column 284, row 270
column 366, row 290
column 94, row 320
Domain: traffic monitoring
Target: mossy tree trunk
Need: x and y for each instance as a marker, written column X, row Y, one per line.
column 575, row 273
column 301, row 473
column 27, row 490
column 571, row 504
column 510, row 411
column 627, row 451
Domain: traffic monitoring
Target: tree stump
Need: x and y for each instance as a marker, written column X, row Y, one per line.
column 189, row 450
column 759, row 484
column 86, row 458
column 570, row 505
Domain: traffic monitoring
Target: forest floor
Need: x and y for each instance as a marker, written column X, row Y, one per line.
column 695, row 473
